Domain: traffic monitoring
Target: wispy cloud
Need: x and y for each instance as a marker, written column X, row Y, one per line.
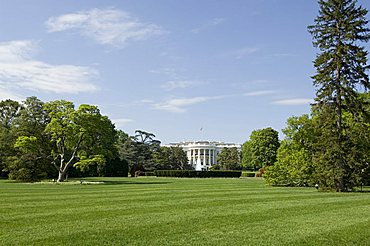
column 179, row 105
column 240, row 53
column 18, row 70
column 167, row 71
column 294, row 101
column 180, row 84
column 208, row 24
column 284, row 55
column 254, row 84
column 260, row 93
column 106, row 26
column 122, row 122
column 5, row 94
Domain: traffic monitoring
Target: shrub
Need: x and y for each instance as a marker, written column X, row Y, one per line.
column 149, row 174
column 261, row 171
column 197, row 174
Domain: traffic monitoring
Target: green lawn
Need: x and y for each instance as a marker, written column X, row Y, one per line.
column 168, row 211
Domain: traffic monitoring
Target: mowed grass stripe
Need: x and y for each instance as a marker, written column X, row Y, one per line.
column 135, row 201
column 159, row 205
column 227, row 222
column 178, row 212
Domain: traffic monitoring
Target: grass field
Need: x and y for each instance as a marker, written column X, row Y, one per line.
column 166, row 211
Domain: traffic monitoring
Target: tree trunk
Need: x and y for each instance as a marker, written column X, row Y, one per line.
column 341, row 186
column 61, row 176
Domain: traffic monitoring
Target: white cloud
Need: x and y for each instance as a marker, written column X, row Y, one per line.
column 178, row 105
column 164, row 71
column 122, row 122
column 258, row 81
column 294, row 101
column 253, row 84
column 106, row 26
column 146, row 101
column 240, row 53
column 208, row 24
column 181, row 84
column 5, row 94
column 167, row 71
column 260, row 93
column 284, row 55
column 19, row 71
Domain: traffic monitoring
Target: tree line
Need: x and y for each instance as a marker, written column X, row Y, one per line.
column 41, row 140
column 53, row 140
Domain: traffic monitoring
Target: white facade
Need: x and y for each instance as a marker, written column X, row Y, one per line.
column 203, row 154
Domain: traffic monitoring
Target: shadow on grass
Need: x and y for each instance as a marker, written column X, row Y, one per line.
column 141, row 182
column 361, row 191
column 120, row 181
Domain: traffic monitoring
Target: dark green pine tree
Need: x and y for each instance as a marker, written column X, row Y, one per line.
column 341, row 71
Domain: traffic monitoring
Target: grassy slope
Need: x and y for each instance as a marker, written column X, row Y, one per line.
column 160, row 211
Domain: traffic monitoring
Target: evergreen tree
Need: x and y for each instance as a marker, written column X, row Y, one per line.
column 341, row 69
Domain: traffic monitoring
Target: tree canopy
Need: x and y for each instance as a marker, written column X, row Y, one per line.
column 81, row 137
column 229, row 159
column 171, row 158
column 341, row 69
column 261, row 149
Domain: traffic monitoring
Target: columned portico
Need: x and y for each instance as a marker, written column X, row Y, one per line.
column 203, row 154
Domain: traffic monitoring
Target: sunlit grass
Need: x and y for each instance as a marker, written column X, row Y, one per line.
column 169, row 211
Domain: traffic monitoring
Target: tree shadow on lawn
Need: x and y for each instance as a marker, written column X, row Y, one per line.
column 133, row 182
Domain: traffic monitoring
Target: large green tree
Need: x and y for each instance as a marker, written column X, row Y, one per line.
column 138, row 150
column 29, row 162
column 294, row 166
column 229, row 159
column 341, row 68
column 9, row 112
column 246, row 161
column 171, row 158
column 261, row 148
column 81, row 137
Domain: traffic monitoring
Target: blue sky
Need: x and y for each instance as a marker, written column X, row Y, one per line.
column 183, row 70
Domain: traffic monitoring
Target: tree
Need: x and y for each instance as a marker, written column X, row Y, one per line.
column 229, row 159
column 355, row 144
column 81, row 137
column 9, row 112
column 171, row 158
column 116, row 168
column 26, row 165
column 305, row 156
column 247, row 161
column 138, row 151
column 262, row 147
column 29, row 161
column 340, row 70
column 294, row 166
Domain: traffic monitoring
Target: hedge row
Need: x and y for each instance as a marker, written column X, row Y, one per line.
column 197, row 174
column 248, row 174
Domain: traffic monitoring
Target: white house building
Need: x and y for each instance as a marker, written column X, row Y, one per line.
column 203, row 154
